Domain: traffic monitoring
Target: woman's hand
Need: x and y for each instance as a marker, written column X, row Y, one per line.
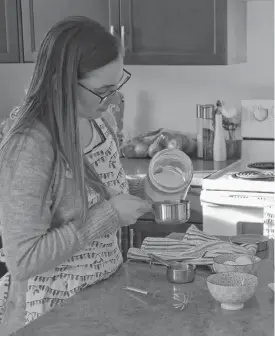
column 129, row 208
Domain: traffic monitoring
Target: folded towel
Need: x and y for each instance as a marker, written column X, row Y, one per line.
column 196, row 247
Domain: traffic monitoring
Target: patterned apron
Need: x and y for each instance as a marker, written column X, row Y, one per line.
column 97, row 261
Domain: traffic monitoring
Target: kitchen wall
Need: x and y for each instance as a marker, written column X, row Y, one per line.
column 166, row 96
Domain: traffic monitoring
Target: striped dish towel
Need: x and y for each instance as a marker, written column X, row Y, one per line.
column 196, row 247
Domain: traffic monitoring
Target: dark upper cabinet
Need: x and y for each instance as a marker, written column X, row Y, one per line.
column 183, row 32
column 38, row 16
column 156, row 32
column 9, row 43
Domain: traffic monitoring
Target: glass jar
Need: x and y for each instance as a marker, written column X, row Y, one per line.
column 169, row 176
column 199, row 123
column 208, row 112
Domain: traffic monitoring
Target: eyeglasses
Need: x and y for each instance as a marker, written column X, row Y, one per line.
column 125, row 78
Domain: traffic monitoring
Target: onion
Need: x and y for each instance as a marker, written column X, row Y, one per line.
column 185, row 143
column 128, row 151
column 192, row 145
column 175, row 143
column 141, row 150
column 155, row 147
column 165, row 138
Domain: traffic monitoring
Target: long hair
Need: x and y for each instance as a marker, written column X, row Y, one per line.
column 72, row 48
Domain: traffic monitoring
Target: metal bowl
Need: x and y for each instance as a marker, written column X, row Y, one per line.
column 176, row 272
column 171, row 212
column 180, row 272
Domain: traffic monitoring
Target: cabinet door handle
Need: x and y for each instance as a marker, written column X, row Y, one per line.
column 112, row 30
column 123, row 37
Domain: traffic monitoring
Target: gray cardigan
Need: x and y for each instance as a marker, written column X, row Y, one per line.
column 37, row 239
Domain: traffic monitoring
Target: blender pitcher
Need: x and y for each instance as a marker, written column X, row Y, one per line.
column 169, row 176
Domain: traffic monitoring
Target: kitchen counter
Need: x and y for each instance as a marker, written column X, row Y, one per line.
column 107, row 309
column 139, row 166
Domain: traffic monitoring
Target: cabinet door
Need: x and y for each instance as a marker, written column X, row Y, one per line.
column 174, row 31
column 40, row 15
column 9, row 43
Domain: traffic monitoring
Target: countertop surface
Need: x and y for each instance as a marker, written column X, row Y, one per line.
column 140, row 166
column 107, row 309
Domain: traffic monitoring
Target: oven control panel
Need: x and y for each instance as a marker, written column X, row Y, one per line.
column 258, row 119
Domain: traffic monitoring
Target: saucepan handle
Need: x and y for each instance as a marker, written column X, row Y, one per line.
column 151, row 202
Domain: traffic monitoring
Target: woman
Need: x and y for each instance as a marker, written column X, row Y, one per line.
column 63, row 194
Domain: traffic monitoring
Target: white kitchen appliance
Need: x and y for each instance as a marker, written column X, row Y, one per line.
column 239, row 192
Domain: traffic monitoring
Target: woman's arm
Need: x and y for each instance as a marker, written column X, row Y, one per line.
column 31, row 247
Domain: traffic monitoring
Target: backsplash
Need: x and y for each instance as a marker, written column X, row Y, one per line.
column 166, row 96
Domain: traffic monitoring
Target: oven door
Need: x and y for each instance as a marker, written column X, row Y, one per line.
column 223, row 220
column 223, row 210
column 250, row 228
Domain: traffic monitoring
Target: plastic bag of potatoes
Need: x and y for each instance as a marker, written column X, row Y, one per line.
column 147, row 145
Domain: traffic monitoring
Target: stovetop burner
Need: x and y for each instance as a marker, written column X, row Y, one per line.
column 262, row 166
column 255, row 175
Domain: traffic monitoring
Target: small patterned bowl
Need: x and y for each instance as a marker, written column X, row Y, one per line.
column 219, row 265
column 232, row 289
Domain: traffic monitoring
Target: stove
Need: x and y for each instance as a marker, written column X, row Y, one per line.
column 254, row 175
column 262, row 166
column 240, row 177
column 239, row 193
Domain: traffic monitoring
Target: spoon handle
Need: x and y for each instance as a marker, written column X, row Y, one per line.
column 159, row 259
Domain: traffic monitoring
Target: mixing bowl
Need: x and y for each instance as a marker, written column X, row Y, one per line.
column 222, row 263
column 232, row 289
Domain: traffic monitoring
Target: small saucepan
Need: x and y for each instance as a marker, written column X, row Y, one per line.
column 177, row 272
column 171, row 212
